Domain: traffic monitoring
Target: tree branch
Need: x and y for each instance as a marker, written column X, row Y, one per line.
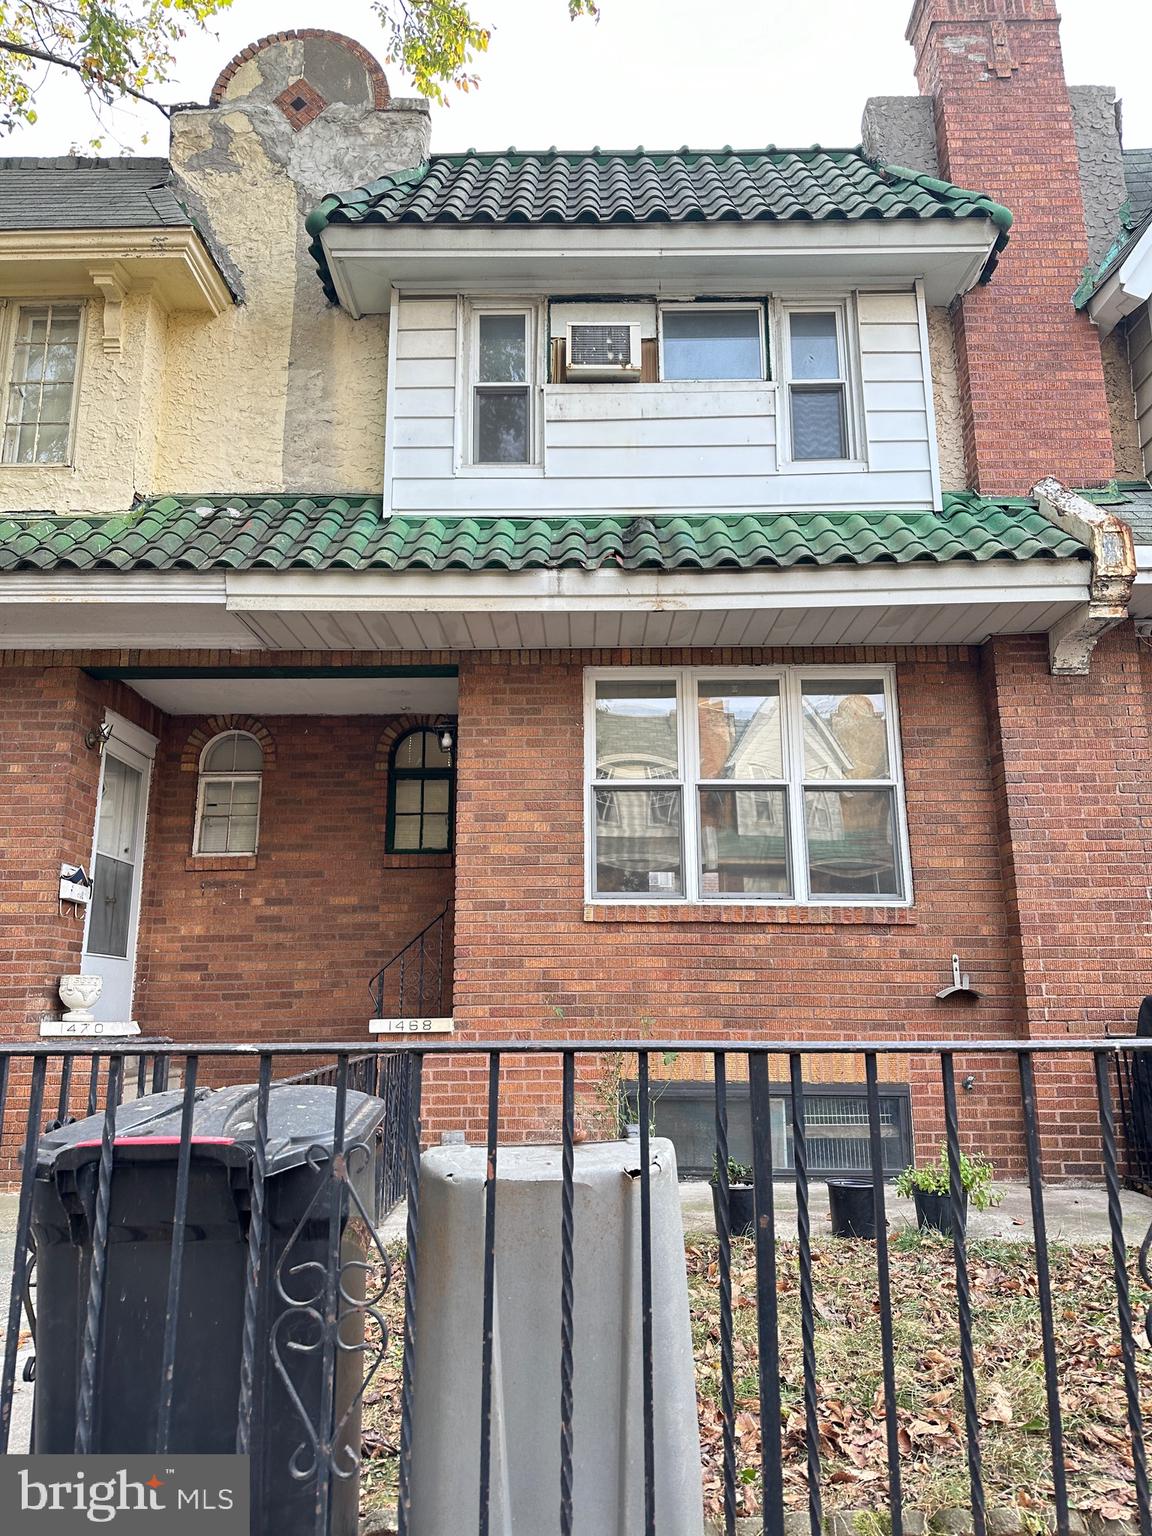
column 43, row 57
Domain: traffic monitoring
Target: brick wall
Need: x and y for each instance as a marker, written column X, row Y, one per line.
column 1070, row 762
column 48, row 785
column 528, row 963
column 282, row 947
column 1034, row 395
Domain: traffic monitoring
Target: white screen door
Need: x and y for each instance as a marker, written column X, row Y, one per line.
column 117, row 862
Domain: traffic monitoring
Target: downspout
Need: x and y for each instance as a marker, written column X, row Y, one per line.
column 1072, row 639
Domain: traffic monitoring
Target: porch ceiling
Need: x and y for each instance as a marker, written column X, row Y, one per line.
column 262, row 695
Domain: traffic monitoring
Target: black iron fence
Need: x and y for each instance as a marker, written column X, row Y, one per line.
column 308, row 1294
column 1134, row 1081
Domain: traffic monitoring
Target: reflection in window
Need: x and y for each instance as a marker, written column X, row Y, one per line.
column 41, row 381
column 501, row 404
column 636, row 731
column 772, row 784
column 420, row 795
column 228, row 804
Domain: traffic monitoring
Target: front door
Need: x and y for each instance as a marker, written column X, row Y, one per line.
column 114, row 911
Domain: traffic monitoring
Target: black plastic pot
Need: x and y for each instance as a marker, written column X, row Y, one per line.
column 853, row 1208
column 741, row 1209
column 934, row 1212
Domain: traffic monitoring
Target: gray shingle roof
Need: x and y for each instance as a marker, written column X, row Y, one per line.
column 69, row 192
column 1138, row 175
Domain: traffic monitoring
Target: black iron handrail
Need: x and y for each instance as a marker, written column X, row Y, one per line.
column 413, row 981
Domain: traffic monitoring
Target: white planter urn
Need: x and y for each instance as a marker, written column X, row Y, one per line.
column 78, row 993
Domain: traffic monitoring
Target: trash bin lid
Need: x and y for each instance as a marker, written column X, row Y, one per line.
column 300, row 1116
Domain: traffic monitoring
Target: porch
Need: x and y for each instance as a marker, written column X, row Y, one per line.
column 271, row 844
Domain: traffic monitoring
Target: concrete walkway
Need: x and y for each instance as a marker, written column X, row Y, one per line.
column 1073, row 1214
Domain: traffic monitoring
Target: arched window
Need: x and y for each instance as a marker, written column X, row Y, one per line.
column 420, row 795
column 228, row 801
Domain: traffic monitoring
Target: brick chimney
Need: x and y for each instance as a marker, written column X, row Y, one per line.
column 1034, row 394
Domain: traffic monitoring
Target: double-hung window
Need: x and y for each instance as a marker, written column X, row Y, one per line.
column 816, row 375
column 502, row 386
column 712, row 341
column 42, row 370
column 754, row 784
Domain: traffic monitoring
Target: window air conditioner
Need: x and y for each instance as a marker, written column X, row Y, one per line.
column 602, row 350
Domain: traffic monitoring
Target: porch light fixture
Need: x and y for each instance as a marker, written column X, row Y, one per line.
column 97, row 739
column 447, row 739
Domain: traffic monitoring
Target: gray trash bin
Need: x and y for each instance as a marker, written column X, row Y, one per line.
column 208, row 1353
column 608, row 1422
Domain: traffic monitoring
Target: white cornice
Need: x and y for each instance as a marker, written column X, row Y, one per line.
column 174, row 262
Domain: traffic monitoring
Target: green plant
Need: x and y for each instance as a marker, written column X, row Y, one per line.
column 738, row 1173
column 976, row 1175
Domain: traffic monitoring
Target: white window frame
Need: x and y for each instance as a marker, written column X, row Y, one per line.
column 9, row 328
column 206, row 776
column 680, row 306
column 466, row 462
column 793, row 781
column 847, row 343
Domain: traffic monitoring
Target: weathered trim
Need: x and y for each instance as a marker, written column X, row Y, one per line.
column 1072, row 639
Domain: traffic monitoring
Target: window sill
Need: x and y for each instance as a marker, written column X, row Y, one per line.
column 745, row 912
column 214, row 863
column 418, row 860
column 823, row 467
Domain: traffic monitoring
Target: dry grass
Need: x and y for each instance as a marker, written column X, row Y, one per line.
column 933, row 1461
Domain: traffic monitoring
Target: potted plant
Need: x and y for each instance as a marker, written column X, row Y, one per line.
column 931, row 1190
column 741, row 1198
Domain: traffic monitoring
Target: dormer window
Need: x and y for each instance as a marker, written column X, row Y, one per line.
column 39, row 409
column 712, row 341
column 817, row 375
column 502, row 386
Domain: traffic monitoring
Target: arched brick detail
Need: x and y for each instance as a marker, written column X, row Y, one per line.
column 400, row 726
column 380, row 92
column 203, row 734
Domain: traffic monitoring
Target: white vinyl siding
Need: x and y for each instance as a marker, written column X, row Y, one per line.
column 675, row 446
column 1140, row 352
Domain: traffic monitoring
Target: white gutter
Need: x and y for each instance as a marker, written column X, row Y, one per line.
column 1126, row 289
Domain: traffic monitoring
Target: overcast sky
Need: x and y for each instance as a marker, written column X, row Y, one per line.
column 654, row 72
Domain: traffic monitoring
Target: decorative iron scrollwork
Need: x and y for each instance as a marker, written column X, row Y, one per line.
column 318, row 1316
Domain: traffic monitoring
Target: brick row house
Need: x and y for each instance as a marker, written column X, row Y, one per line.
column 696, row 591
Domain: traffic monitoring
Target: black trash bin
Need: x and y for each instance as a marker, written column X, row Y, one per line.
column 298, row 1193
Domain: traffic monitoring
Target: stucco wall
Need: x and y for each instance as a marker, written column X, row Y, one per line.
column 312, row 417
column 1098, row 149
column 946, row 396
column 282, row 391
column 1118, row 380
column 899, row 130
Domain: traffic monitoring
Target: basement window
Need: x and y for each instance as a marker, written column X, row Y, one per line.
column 835, row 1125
column 749, row 784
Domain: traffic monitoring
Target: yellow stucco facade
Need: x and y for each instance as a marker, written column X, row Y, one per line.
column 259, row 384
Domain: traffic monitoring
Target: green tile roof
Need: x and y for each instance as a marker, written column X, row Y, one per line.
column 289, row 533
column 638, row 187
